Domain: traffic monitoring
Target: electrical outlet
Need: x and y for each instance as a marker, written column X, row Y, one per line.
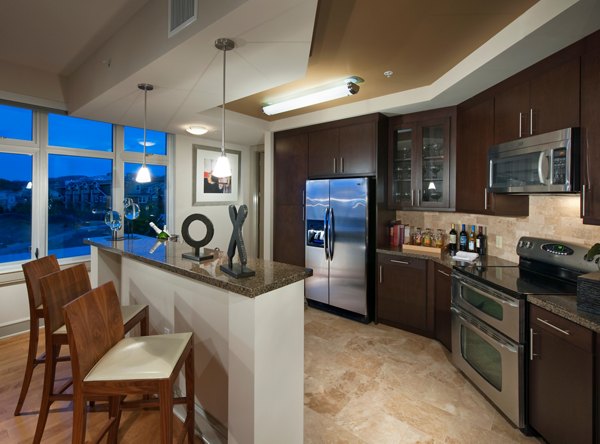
column 166, row 330
column 498, row 241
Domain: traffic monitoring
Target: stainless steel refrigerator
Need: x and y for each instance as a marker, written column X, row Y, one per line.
column 338, row 213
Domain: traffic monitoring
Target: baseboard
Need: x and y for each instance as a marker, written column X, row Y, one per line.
column 208, row 427
column 14, row 328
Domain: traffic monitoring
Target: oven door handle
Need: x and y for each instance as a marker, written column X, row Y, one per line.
column 487, row 293
column 477, row 327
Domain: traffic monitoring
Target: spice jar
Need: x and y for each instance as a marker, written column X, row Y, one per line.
column 427, row 238
column 417, row 237
column 439, row 238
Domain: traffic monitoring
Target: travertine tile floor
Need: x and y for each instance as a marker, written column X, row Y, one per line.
column 377, row 384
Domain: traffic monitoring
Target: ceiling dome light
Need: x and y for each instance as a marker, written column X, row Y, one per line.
column 196, row 130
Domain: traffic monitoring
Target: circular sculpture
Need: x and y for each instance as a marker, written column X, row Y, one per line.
column 185, row 231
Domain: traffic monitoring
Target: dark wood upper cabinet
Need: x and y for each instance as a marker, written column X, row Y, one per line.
column 561, row 379
column 343, row 149
column 590, row 137
column 475, row 136
column 546, row 98
column 421, row 160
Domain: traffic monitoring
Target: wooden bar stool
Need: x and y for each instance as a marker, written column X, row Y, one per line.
column 104, row 363
column 58, row 289
column 33, row 271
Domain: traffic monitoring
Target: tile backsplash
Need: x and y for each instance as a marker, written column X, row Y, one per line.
column 555, row 217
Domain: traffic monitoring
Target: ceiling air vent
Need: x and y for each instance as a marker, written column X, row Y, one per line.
column 181, row 14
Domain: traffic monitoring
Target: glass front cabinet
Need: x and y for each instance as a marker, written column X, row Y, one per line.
column 420, row 164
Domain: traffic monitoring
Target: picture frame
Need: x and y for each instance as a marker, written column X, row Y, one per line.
column 208, row 190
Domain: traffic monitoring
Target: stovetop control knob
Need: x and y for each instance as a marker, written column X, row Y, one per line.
column 520, row 244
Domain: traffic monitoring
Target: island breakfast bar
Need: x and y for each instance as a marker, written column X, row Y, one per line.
column 248, row 333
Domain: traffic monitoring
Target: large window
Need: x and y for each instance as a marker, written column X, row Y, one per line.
column 16, row 123
column 150, row 197
column 79, row 193
column 86, row 134
column 15, row 206
column 58, row 179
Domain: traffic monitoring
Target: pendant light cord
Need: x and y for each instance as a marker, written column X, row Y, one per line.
column 145, row 111
column 223, row 108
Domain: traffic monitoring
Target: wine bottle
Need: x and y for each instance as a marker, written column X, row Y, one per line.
column 480, row 242
column 472, row 236
column 462, row 239
column 452, row 241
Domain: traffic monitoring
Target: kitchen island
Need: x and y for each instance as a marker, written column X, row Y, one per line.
column 248, row 333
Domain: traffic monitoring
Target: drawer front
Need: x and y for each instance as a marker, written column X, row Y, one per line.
column 574, row 334
column 402, row 261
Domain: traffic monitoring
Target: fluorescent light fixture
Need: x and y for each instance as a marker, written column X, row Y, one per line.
column 196, row 130
column 348, row 88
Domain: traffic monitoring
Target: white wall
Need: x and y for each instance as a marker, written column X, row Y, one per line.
column 218, row 214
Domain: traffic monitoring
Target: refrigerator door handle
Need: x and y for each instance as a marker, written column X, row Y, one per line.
column 326, row 233
column 331, row 233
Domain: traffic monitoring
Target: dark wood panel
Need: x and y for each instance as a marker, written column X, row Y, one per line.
column 288, row 234
column 561, row 385
column 554, row 98
column 475, row 136
column 402, row 293
column 508, row 104
column 358, row 147
column 290, row 168
column 323, row 152
column 442, row 284
column 590, row 138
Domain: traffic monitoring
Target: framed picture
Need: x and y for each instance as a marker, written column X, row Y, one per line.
column 209, row 189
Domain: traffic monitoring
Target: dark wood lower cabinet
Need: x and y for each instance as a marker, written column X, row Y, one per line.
column 442, row 288
column 561, row 379
column 402, row 299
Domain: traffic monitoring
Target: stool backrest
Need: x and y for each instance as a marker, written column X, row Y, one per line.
column 94, row 326
column 60, row 288
column 33, row 271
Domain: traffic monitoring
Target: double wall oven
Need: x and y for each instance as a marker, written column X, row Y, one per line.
column 489, row 340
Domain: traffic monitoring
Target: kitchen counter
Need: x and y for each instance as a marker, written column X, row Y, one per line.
column 446, row 259
column 248, row 333
column 167, row 256
column 566, row 306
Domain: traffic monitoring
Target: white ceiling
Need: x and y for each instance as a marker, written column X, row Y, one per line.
column 76, row 39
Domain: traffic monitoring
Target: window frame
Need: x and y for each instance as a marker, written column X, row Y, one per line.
column 40, row 150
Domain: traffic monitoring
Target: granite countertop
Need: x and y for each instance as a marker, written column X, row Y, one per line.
column 446, row 259
column 566, row 307
column 167, row 255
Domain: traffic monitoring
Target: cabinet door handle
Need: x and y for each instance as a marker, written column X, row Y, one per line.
column 399, row 262
column 583, row 200
column 531, row 121
column 531, row 353
column 485, row 193
column 380, row 274
column 303, row 206
column 412, row 198
column 444, row 273
column 564, row 332
column 341, row 164
column 334, row 164
column 520, row 125
column 418, row 197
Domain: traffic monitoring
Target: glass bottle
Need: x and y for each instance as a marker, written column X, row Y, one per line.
column 427, row 238
column 418, row 237
column 462, row 239
column 439, row 238
column 452, row 241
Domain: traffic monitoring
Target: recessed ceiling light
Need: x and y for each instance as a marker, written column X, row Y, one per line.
column 388, row 74
column 196, row 130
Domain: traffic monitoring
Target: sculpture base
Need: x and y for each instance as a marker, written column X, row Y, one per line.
column 199, row 255
column 237, row 271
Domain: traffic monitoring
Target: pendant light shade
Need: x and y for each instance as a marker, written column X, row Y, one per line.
column 222, row 168
column 143, row 174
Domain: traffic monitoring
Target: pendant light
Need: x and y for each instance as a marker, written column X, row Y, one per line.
column 222, row 168
column 143, row 174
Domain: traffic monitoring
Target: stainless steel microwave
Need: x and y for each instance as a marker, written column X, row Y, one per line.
column 544, row 163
